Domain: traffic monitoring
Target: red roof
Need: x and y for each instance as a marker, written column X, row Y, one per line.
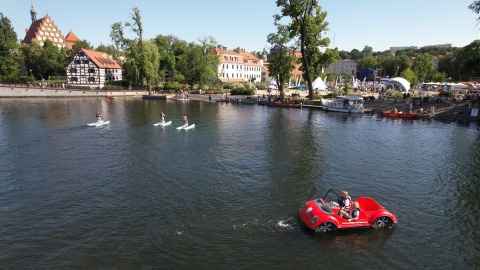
column 102, row 60
column 71, row 37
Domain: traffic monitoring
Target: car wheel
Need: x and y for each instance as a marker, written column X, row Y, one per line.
column 326, row 227
column 382, row 222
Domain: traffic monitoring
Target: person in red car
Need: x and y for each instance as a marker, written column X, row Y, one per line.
column 353, row 214
column 345, row 202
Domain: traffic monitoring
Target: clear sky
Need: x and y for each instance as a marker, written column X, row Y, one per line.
column 353, row 24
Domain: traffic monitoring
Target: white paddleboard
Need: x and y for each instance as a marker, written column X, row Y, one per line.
column 162, row 124
column 188, row 127
column 97, row 124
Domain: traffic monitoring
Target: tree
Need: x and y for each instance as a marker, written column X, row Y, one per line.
column 282, row 58
column 141, row 66
column 199, row 64
column 469, row 60
column 439, row 76
column 10, row 59
column 475, row 7
column 410, row 76
column 367, row 63
column 171, row 49
column 367, row 52
column 389, row 66
column 31, row 52
column 403, row 62
column 307, row 24
column 51, row 61
column 423, row 66
column 355, row 54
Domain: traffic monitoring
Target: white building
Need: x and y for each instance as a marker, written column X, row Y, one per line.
column 343, row 67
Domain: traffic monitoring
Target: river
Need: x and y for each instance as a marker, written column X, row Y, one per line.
column 225, row 195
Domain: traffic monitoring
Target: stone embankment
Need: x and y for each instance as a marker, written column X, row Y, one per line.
column 24, row 92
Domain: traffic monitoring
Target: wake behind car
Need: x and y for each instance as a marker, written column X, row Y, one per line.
column 322, row 215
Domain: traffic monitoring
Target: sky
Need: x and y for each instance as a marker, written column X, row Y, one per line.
column 353, row 24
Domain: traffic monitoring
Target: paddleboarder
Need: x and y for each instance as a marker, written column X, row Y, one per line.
column 185, row 121
column 163, row 117
column 99, row 118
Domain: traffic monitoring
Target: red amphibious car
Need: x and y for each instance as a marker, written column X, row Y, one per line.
column 322, row 216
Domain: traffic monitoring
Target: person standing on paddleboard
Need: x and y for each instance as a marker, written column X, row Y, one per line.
column 163, row 117
column 185, row 121
column 99, row 118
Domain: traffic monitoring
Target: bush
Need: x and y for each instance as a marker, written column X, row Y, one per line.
column 172, row 86
column 242, row 91
column 112, row 87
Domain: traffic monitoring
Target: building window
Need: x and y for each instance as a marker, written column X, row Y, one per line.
column 91, row 70
column 73, row 79
column 73, row 70
column 81, row 53
column 78, row 62
column 85, row 61
column 91, row 79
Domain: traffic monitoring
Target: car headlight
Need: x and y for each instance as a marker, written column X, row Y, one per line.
column 309, row 209
column 314, row 219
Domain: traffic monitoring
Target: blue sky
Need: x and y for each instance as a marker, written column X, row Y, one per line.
column 353, row 24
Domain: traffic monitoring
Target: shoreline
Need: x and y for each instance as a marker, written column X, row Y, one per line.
column 459, row 111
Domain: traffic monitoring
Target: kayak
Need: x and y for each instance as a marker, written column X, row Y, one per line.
column 182, row 99
column 97, row 124
column 211, row 101
column 162, row 124
column 188, row 127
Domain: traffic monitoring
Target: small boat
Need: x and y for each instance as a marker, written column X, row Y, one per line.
column 97, row 124
column 109, row 97
column 182, row 99
column 211, row 101
column 403, row 115
column 287, row 104
column 187, row 127
column 162, row 124
column 350, row 104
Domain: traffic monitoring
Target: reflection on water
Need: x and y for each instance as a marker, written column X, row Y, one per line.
column 226, row 194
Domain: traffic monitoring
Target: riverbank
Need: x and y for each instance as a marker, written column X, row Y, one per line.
column 15, row 91
column 459, row 110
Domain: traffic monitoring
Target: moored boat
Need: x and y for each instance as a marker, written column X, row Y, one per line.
column 288, row 104
column 396, row 114
column 350, row 104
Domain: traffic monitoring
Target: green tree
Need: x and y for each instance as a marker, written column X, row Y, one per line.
column 403, row 62
column 31, row 52
column 389, row 66
column 199, row 64
column 171, row 49
column 344, row 55
column 439, row 76
column 423, row 66
column 282, row 59
column 475, row 7
column 410, row 76
column 355, row 54
column 367, row 52
column 450, row 65
column 51, row 61
column 307, row 24
column 469, row 60
column 10, row 59
column 367, row 63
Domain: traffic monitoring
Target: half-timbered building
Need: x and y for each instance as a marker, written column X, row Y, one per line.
column 92, row 69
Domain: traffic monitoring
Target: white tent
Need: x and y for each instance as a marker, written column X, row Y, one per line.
column 319, row 84
column 403, row 84
column 272, row 85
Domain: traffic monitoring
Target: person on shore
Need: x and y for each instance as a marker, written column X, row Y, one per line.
column 185, row 121
column 98, row 115
column 162, row 115
column 209, row 97
column 353, row 213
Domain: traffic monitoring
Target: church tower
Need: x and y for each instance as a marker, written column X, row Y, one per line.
column 33, row 14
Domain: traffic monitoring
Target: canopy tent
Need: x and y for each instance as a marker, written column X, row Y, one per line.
column 319, row 84
column 400, row 83
column 272, row 85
